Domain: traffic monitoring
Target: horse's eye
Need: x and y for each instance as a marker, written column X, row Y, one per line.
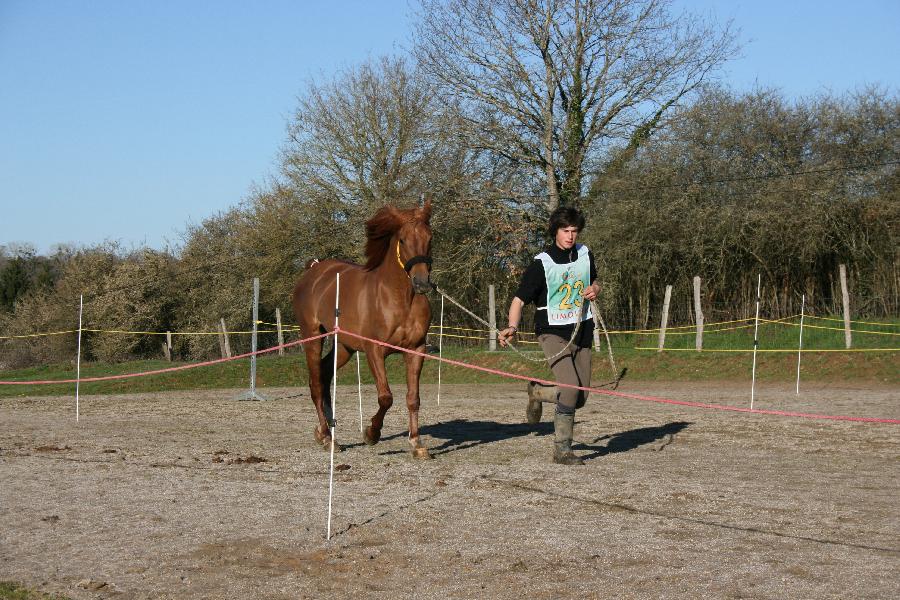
column 401, row 241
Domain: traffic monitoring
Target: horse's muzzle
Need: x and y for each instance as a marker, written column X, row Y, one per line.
column 421, row 284
column 419, row 270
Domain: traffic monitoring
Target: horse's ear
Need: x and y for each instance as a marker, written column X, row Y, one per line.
column 425, row 209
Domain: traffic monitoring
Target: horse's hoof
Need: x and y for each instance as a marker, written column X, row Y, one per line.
column 325, row 440
column 421, row 453
column 371, row 437
column 326, row 445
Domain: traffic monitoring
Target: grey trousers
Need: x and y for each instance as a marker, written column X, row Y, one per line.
column 572, row 367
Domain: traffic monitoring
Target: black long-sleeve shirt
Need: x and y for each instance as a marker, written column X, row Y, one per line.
column 533, row 288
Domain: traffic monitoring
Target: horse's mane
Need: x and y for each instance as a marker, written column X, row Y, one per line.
column 384, row 224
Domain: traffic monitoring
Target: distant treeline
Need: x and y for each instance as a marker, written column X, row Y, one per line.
column 731, row 187
column 502, row 115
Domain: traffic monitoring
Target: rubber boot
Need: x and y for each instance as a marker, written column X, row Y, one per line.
column 562, row 444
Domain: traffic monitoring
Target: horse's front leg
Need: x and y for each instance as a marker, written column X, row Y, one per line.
column 375, row 357
column 413, row 371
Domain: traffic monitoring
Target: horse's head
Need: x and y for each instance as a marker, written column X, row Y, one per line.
column 414, row 248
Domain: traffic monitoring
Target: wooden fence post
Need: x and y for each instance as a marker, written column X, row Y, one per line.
column 846, row 296
column 221, row 337
column 665, row 318
column 280, row 331
column 492, row 319
column 167, row 346
column 223, row 331
column 698, row 312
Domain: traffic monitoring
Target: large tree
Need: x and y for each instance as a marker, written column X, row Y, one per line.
column 551, row 84
column 740, row 185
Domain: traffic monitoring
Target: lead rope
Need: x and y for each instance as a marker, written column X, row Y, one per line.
column 510, row 344
column 599, row 319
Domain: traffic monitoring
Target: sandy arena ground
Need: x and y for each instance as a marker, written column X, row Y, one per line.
column 194, row 495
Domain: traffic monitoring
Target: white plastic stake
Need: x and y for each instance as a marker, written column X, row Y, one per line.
column 440, row 349
column 359, row 391
column 755, row 340
column 337, row 295
column 78, row 359
column 800, row 348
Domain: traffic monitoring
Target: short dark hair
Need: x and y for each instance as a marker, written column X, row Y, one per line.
column 565, row 216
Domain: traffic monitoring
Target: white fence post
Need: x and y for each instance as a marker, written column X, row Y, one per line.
column 167, row 346
column 226, row 344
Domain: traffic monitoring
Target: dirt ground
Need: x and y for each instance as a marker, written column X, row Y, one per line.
column 196, row 495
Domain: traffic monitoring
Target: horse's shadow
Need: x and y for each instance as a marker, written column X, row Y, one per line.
column 462, row 434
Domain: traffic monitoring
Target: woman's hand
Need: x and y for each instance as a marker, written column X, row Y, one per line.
column 504, row 336
column 591, row 292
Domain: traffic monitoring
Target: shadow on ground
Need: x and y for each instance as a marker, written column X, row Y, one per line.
column 462, row 434
column 633, row 439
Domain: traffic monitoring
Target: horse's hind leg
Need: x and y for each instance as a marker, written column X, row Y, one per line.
column 375, row 358
column 313, row 351
column 413, row 371
column 326, row 374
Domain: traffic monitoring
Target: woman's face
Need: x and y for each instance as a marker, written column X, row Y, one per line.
column 566, row 236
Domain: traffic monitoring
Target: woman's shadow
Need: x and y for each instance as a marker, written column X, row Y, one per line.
column 633, row 439
column 462, row 434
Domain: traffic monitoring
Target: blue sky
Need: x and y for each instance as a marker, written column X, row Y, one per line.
column 127, row 120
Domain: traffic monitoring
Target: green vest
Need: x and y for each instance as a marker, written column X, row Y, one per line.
column 565, row 284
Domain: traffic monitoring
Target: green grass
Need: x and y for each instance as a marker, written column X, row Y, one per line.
column 818, row 334
column 290, row 370
column 13, row 591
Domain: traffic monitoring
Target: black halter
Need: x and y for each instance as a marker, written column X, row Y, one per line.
column 413, row 261
column 416, row 260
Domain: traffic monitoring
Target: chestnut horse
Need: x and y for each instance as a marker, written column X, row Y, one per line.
column 382, row 300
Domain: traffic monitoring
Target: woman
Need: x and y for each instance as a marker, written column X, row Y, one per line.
column 567, row 271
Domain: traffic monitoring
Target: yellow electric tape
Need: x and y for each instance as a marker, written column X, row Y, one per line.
column 852, row 321
column 120, row 331
column 34, row 335
column 805, row 325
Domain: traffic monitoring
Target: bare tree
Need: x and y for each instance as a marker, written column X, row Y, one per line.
column 551, row 84
column 374, row 134
column 362, row 137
